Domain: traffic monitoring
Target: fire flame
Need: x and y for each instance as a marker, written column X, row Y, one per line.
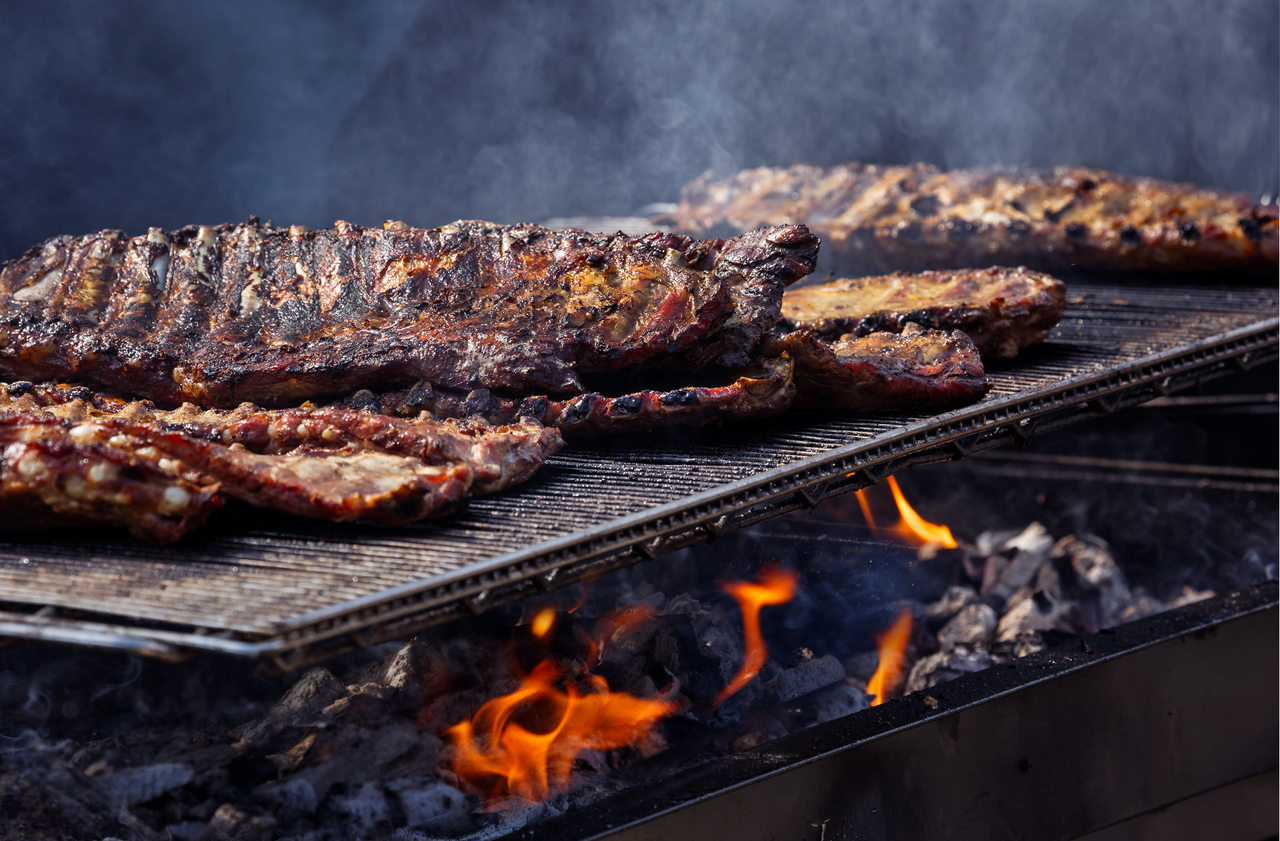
column 861, row 494
column 915, row 529
column 542, row 623
column 892, row 643
column 525, row 743
column 775, row 586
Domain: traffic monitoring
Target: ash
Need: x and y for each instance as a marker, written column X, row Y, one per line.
column 110, row 747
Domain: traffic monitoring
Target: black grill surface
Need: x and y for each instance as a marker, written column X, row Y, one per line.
column 260, row 585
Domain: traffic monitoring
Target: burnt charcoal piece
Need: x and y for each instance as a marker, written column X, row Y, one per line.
column 1002, row 310
column 917, row 369
column 251, row 312
column 885, row 218
column 160, row 473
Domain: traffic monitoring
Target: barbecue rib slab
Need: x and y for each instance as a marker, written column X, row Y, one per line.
column 70, row 455
column 252, row 312
column 915, row 370
column 876, row 219
column 758, row 390
column 1002, row 310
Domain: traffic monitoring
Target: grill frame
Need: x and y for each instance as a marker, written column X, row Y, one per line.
column 1121, row 346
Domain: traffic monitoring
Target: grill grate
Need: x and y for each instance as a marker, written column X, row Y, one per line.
column 295, row 591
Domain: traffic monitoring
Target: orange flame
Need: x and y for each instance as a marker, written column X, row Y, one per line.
column 775, row 586
column 861, row 494
column 542, row 622
column 915, row 529
column 525, row 743
column 892, row 643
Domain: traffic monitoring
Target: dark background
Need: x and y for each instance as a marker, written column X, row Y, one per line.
column 132, row 114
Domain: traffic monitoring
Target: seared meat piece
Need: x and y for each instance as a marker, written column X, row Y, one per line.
column 79, row 457
column 220, row 315
column 884, row 218
column 915, row 370
column 764, row 388
column 1002, row 310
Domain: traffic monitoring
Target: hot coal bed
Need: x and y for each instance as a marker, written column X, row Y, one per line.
column 1096, row 654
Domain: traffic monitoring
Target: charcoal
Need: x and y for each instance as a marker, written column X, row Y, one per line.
column 862, row 665
column 432, row 806
column 1101, row 591
column 972, row 627
column 301, row 705
column 131, row 786
column 836, row 701
column 803, row 678
column 292, row 799
column 1031, row 548
column 945, row 666
column 364, row 809
column 955, row 599
column 1037, row 607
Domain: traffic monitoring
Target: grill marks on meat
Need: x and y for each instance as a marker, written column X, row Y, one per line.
column 75, row 455
column 915, row 370
column 883, row 218
column 220, row 315
column 1002, row 310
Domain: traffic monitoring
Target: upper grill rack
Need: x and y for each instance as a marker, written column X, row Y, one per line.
column 297, row 591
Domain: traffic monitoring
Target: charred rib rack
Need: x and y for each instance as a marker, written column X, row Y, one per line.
column 252, row 312
column 887, row 218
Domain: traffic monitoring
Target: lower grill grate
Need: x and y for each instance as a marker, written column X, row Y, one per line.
column 296, row 591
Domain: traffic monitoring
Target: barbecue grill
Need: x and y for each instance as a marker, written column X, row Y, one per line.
column 296, row 591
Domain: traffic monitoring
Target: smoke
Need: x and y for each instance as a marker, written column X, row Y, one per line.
column 133, row 114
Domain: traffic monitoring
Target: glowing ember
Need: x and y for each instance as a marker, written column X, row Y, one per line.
column 914, row 528
column 543, row 622
column 893, row 651
column 775, row 586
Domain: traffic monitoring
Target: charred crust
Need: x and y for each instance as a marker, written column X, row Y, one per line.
column 1076, row 232
column 1129, row 235
column 628, row 404
column 480, row 402
column 1055, row 216
column 680, row 397
column 419, row 396
column 1189, row 232
column 20, row 388
column 363, row 400
column 924, row 205
column 534, row 408
column 1250, row 228
column 577, row 410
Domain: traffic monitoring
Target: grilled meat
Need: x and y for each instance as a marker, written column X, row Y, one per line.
column 71, row 454
column 1002, row 310
column 884, row 218
column 915, row 370
column 762, row 389
column 251, row 312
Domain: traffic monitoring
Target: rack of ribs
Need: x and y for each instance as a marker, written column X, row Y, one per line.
column 876, row 219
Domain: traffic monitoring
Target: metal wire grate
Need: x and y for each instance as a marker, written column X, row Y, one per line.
column 256, row 585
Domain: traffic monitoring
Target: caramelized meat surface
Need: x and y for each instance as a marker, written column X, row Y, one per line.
column 71, row 456
column 1002, row 310
column 251, row 312
column 915, row 370
column 885, row 218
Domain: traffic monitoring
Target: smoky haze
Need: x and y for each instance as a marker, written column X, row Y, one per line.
column 129, row 114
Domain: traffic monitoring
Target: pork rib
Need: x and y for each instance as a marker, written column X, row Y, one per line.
column 252, row 312
column 1002, row 310
column 915, row 370
column 74, row 456
column 877, row 219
